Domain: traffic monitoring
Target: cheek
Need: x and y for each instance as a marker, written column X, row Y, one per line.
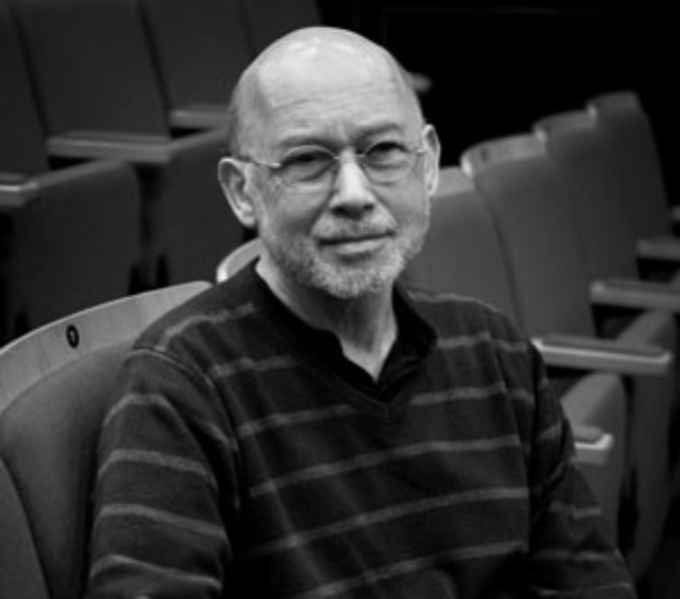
column 288, row 217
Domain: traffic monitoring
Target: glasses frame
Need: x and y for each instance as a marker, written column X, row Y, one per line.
column 274, row 167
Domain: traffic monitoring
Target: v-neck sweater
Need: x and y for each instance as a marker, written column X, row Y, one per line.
column 247, row 458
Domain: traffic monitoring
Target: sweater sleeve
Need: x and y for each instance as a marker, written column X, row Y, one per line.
column 572, row 552
column 166, row 493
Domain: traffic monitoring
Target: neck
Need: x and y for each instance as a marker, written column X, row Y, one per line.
column 365, row 326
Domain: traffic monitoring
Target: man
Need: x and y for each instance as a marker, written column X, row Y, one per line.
column 307, row 429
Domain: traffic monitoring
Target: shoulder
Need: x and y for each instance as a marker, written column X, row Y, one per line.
column 205, row 322
column 452, row 314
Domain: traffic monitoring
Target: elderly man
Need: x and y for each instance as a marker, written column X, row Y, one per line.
column 308, row 429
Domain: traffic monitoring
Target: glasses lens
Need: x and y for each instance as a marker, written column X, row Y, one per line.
column 388, row 162
column 308, row 167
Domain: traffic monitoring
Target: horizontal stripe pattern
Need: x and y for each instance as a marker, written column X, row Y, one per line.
column 390, row 513
column 113, row 562
column 373, row 459
column 408, row 567
column 322, row 492
column 117, row 510
column 159, row 460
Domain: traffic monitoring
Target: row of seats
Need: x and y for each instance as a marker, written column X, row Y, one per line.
column 111, row 126
column 557, row 227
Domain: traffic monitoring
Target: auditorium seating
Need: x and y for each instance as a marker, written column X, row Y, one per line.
column 265, row 21
column 237, row 259
column 70, row 235
column 530, row 199
column 627, row 130
column 609, row 243
column 108, row 104
column 200, row 47
column 54, row 391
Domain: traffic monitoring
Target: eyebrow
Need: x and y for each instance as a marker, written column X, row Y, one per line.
column 325, row 139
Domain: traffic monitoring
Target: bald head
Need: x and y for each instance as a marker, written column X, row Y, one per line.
column 319, row 61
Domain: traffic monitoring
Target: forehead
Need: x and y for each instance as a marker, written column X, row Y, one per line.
column 335, row 89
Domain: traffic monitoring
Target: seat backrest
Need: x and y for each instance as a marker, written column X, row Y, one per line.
column 628, row 132
column 22, row 149
column 24, row 580
column 201, row 47
column 55, row 386
column 110, row 82
column 573, row 140
column 462, row 252
column 237, row 259
column 267, row 20
column 533, row 210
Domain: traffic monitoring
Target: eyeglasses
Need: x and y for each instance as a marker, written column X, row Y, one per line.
column 313, row 169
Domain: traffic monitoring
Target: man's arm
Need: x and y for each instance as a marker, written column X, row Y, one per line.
column 162, row 514
column 571, row 547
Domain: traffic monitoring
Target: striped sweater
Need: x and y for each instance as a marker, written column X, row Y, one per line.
column 243, row 459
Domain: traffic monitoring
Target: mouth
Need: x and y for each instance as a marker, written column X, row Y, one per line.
column 357, row 245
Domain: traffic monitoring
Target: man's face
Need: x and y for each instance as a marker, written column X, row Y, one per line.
column 351, row 236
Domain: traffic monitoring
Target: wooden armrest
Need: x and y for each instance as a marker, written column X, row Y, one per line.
column 199, row 116
column 16, row 190
column 141, row 149
column 662, row 247
column 586, row 353
column 593, row 445
column 634, row 293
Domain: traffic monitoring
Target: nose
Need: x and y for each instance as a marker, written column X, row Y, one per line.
column 352, row 192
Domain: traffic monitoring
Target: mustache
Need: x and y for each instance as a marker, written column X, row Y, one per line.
column 338, row 230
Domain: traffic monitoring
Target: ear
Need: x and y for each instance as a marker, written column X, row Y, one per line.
column 432, row 155
column 233, row 180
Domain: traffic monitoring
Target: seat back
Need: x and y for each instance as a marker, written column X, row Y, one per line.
column 110, row 83
column 237, row 259
column 526, row 191
column 462, row 252
column 573, row 140
column 628, row 133
column 532, row 208
column 267, row 20
column 55, row 387
column 22, row 149
column 201, row 47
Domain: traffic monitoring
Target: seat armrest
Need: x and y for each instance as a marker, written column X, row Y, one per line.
column 586, row 353
column 634, row 293
column 593, row 445
column 199, row 116
column 16, row 190
column 140, row 149
column 661, row 247
column 147, row 150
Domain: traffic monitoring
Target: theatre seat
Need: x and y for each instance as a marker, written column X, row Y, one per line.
column 463, row 254
column 627, row 131
column 54, row 391
column 108, row 104
column 267, row 20
column 237, row 259
column 70, row 234
column 201, row 47
column 531, row 201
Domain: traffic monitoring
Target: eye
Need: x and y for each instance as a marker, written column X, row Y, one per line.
column 306, row 158
column 386, row 152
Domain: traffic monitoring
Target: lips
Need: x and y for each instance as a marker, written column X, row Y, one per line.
column 352, row 239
